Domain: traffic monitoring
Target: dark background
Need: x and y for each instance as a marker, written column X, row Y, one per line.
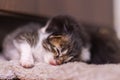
column 15, row 13
column 9, row 23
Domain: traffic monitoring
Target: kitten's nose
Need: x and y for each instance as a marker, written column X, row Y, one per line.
column 53, row 62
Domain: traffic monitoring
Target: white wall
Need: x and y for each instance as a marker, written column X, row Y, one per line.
column 116, row 5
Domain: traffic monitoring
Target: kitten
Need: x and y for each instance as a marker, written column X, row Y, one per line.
column 90, row 44
column 60, row 41
column 25, row 45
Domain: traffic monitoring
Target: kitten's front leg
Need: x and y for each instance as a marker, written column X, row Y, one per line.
column 26, row 62
column 26, row 57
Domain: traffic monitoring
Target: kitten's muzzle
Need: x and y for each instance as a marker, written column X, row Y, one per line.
column 55, row 62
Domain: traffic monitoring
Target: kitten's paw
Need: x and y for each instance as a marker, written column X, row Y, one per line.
column 26, row 63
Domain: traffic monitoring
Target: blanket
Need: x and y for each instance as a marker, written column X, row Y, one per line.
column 70, row 71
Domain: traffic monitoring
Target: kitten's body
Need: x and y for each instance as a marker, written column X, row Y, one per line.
column 9, row 48
column 62, row 40
column 25, row 44
column 105, row 45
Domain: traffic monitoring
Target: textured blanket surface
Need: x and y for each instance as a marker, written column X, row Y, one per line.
column 70, row 71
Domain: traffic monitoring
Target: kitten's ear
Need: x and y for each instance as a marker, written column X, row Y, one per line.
column 44, row 28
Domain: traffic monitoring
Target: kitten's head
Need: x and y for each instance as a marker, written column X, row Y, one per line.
column 59, row 45
column 67, row 41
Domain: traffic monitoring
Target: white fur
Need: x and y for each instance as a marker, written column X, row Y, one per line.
column 9, row 49
column 48, row 57
column 26, row 59
column 39, row 52
column 85, row 54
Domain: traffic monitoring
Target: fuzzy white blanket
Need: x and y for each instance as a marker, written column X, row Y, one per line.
column 69, row 71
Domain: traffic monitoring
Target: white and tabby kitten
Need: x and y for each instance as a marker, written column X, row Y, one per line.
column 25, row 45
column 28, row 45
column 62, row 40
column 58, row 42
